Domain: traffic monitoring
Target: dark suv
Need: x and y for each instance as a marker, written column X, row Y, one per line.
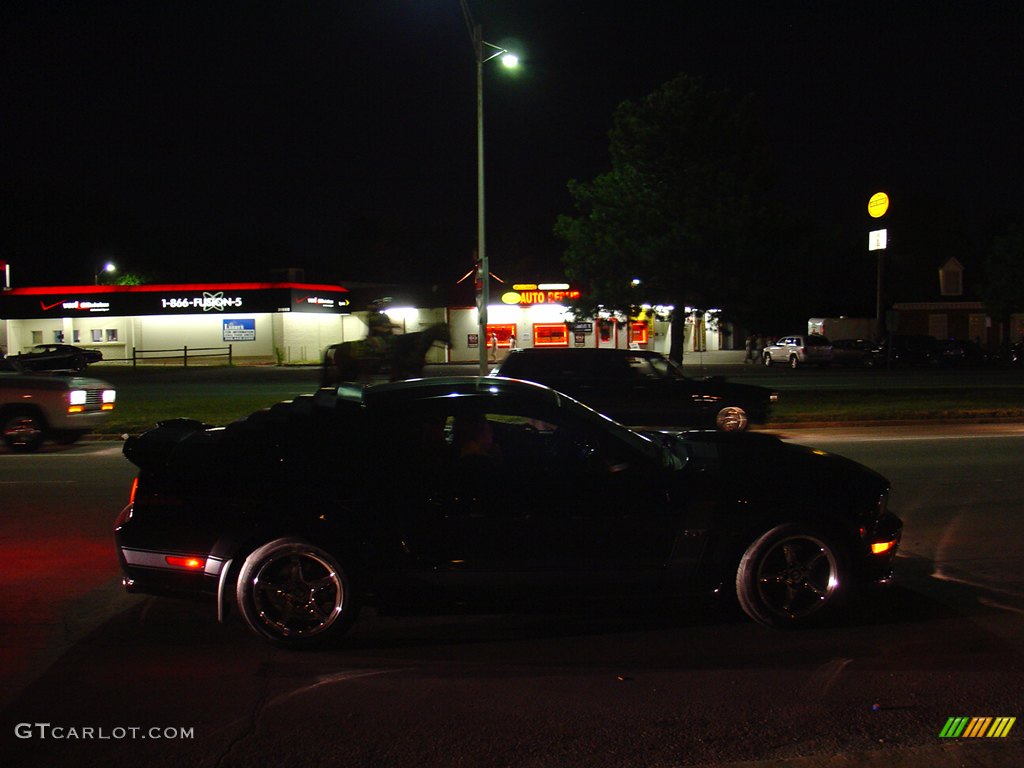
column 907, row 350
column 641, row 388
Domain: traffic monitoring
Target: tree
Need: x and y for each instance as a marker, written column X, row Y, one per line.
column 1003, row 289
column 130, row 278
column 683, row 208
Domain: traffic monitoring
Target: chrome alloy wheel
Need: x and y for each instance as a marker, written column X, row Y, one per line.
column 732, row 418
column 797, row 576
column 297, row 594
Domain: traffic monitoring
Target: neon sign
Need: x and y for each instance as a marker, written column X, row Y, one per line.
column 529, row 298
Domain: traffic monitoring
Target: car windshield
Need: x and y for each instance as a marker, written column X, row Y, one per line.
column 635, row 440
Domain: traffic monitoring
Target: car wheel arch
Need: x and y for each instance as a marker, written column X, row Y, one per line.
column 740, row 539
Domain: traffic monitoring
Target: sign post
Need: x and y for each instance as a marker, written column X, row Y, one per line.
column 878, row 240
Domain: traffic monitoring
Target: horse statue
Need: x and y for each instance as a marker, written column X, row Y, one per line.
column 403, row 357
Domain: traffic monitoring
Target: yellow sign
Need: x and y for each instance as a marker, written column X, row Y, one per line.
column 878, row 205
column 526, row 298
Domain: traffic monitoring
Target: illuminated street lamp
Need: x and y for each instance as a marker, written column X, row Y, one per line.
column 484, row 52
column 108, row 267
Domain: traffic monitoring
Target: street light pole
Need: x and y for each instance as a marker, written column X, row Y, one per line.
column 480, row 47
column 482, row 263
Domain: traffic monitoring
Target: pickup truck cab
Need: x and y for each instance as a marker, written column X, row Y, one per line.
column 35, row 407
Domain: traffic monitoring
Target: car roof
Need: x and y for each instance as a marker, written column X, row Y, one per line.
column 417, row 390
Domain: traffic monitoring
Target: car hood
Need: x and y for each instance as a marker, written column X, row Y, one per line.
column 47, row 380
column 763, row 466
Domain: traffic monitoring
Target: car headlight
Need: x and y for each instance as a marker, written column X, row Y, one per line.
column 77, row 397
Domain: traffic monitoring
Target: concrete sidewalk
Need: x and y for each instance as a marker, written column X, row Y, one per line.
column 724, row 357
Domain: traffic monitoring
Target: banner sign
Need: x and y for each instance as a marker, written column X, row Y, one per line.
column 133, row 300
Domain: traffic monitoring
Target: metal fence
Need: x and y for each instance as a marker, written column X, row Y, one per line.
column 182, row 353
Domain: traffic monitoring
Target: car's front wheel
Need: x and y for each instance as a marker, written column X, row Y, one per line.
column 24, row 432
column 767, row 359
column 732, row 418
column 791, row 576
column 295, row 594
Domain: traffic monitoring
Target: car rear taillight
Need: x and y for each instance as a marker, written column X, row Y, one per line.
column 133, row 491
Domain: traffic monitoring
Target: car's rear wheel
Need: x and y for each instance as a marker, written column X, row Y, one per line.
column 793, row 362
column 295, row 594
column 791, row 576
column 732, row 418
column 24, row 432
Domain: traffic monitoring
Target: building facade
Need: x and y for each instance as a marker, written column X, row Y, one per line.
column 293, row 322
column 272, row 322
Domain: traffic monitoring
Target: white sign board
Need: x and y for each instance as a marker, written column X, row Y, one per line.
column 877, row 240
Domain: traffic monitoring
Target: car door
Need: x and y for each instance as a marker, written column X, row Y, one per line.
column 544, row 500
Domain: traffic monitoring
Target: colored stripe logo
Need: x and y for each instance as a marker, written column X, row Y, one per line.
column 977, row 727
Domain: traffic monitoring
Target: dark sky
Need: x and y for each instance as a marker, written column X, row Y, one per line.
column 217, row 140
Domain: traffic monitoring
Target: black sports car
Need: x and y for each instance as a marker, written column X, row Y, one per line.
column 58, row 357
column 490, row 492
column 639, row 387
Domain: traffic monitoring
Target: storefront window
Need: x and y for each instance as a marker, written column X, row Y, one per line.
column 506, row 335
column 97, row 335
column 111, row 334
column 58, row 337
column 37, row 337
column 638, row 333
column 550, row 335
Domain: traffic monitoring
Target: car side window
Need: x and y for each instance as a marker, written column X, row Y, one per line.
column 484, row 450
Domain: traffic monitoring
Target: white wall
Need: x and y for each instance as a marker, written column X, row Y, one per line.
column 302, row 338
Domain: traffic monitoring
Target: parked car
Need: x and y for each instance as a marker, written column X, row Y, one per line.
column 962, row 353
column 641, row 388
column 855, row 353
column 907, row 350
column 1008, row 354
column 57, row 357
column 35, row 407
column 487, row 492
column 801, row 349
